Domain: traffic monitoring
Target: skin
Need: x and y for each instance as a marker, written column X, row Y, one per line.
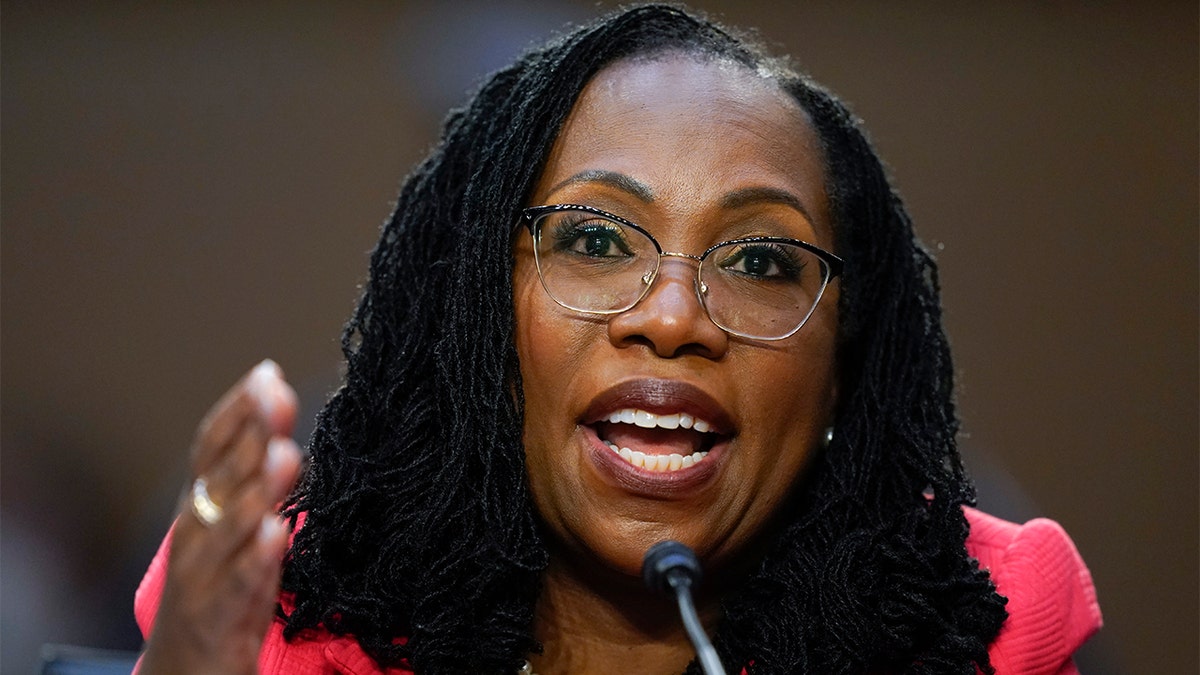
column 684, row 134
column 688, row 132
column 223, row 580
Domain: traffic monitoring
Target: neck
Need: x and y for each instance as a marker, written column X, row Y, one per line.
column 597, row 620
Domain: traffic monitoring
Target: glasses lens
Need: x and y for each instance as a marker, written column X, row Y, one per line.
column 762, row 289
column 591, row 263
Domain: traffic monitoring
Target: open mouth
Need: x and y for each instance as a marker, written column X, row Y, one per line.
column 657, row 442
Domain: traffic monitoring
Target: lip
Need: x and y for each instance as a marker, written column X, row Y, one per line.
column 659, row 396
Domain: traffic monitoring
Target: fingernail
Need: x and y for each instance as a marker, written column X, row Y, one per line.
column 278, row 449
column 270, row 529
column 261, row 384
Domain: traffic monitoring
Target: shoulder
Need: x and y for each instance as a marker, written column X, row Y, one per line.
column 1052, row 603
column 317, row 652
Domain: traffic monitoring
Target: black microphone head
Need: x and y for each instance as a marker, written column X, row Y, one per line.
column 668, row 557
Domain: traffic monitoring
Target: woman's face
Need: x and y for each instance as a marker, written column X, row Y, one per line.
column 696, row 152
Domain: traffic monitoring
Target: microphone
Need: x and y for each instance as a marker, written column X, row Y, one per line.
column 670, row 567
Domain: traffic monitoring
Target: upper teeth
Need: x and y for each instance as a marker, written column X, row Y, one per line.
column 650, row 420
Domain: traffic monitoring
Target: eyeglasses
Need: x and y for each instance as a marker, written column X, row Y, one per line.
column 591, row 261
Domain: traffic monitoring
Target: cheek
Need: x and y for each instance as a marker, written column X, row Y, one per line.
column 531, row 352
column 529, row 337
column 795, row 404
column 549, row 355
column 547, row 358
column 524, row 283
column 553, row 344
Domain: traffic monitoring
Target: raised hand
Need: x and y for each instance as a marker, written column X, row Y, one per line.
column 223, row 572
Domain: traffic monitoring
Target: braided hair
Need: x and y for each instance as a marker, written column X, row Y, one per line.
column 420, row 538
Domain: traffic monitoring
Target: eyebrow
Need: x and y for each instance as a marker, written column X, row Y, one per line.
column 736, row 199
column 768, row 195
column 613, row 179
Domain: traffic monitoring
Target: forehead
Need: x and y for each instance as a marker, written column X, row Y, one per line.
column 692, row 129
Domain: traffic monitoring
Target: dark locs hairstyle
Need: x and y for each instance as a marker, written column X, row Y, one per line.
column 420, row 538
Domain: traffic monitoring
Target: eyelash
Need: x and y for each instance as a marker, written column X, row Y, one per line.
column 567, row 233
column 782, row 256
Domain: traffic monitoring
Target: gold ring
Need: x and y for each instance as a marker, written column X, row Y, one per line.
column 205, row 509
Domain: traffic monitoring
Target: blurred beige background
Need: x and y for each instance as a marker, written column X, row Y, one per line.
column 190, row 187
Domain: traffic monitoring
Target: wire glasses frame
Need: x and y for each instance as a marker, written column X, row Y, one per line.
column 595, row 262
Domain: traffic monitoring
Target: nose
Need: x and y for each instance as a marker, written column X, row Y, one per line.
column 670, row 319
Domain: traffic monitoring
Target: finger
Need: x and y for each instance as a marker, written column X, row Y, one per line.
column 202, row 553
column 251, row 575
column 254, row 463
column 233, row 445
column 262, row 479
column 261, row 395
column 282, row 467
column 270, row 545
column 245, row 596
column 228, row 419
column 277, row 400
column 240, row 464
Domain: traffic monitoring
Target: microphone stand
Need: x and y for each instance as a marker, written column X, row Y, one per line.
column 671, row 567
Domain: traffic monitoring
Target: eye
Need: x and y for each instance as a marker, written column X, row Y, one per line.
column 763, row 260
column 594, row 238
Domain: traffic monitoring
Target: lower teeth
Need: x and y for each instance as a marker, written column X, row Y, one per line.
column 672, row 462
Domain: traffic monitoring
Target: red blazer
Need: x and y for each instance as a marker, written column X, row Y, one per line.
column 1052, row 606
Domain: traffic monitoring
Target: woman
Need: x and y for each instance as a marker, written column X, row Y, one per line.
column 661, row 347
